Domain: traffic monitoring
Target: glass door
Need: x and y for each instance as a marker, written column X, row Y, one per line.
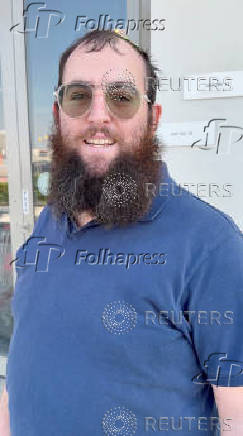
column 49, row 31
column 16, row 199
column 6, row 278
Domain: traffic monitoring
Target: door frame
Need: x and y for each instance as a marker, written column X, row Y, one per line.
column 140, row 9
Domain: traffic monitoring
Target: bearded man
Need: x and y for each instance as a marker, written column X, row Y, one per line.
column 127, row 304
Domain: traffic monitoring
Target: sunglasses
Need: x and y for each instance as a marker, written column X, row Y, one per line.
column 122, row 98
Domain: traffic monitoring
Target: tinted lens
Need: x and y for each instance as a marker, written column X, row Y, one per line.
column 122, row 99
column 75, row 99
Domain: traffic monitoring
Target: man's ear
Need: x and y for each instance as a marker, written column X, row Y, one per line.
column 55, row 111
column 156, row 114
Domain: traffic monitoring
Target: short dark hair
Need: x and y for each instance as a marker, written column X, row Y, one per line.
column 99, row 39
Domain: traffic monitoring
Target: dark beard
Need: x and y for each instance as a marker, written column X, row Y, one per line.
column 118, row 197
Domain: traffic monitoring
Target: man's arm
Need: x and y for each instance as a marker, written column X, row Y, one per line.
column 4, row 414
column 229, row 401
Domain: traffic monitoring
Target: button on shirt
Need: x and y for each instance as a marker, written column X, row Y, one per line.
column 123, row 330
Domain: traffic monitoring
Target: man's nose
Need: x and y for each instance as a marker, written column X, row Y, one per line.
column 98, row 111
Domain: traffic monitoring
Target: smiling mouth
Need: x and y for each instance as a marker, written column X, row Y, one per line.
column 99, row 142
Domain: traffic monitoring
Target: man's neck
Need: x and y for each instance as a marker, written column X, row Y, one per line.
column 83, row 218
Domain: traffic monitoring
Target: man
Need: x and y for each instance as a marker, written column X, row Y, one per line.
column 127, row 305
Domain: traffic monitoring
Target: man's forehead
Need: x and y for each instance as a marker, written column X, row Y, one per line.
column 105, row 65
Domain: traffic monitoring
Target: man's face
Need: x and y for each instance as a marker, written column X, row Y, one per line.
column 107, row 179
column 124, row 135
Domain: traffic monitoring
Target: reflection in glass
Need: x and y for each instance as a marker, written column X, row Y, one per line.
column 6, row 279
column 44, row 46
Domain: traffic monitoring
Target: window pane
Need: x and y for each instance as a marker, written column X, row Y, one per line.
column 45, row 43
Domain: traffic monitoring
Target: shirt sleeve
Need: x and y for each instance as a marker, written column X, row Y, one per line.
column 216, row 313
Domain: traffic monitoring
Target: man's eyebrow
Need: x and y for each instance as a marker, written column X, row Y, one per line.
column 121, row 83
column 117, row 83
column 84, row 82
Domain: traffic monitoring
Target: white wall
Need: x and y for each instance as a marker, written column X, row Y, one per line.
column 202, row 37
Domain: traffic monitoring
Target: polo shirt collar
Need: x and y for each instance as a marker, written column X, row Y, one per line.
column 161, row 197
column 155, row 209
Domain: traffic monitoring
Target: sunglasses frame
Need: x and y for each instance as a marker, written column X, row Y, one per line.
column 57, row 91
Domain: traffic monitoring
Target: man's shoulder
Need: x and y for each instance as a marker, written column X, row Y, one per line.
column 201, row 220
column 44, row 216
column 47, row 222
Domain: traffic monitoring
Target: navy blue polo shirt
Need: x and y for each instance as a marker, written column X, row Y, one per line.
column 123, row 331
